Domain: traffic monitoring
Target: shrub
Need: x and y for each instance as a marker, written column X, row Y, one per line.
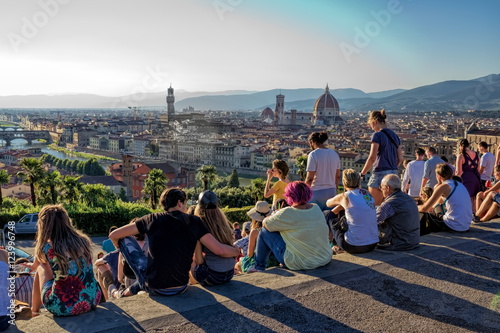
column 237, row 214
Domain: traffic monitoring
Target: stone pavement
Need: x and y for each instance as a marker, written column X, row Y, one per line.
column 451, row 283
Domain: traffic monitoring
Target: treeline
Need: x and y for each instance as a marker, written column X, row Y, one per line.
column 90, row 167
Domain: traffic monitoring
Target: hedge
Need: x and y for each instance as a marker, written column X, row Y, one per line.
column 237, row 214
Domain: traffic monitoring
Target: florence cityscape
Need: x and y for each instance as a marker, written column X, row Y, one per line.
column 112, row 103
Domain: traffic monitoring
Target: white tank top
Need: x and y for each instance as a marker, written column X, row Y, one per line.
column 458, row 208
column 361, row 217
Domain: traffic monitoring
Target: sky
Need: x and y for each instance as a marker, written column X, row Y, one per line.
column 121, row 47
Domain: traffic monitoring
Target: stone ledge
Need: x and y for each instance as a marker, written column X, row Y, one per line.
column 239, row 298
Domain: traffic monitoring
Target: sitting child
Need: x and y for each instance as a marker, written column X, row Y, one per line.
column 242, row 244
column 236, row 231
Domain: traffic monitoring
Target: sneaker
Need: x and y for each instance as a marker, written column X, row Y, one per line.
column 113, row 293
column 476, row 219
column 253, row 269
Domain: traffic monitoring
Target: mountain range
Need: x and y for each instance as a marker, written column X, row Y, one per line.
column 479, row 94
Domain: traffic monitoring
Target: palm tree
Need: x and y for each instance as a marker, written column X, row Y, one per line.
column 48, row 184
column 301, row 165
column 207, row 174
column 32, row 174
column 71, row 188
column 4, row 179
column 154, row 186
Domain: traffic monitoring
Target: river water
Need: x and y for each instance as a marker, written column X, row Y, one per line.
column 23, row 144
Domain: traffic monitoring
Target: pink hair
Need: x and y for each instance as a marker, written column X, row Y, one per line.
column 297, row 193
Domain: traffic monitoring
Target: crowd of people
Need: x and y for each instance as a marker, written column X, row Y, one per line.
column 308, row 222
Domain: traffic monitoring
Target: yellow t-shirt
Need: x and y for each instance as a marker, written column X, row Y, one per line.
column 279, row 188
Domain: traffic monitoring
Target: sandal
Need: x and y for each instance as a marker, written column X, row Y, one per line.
column 337, row 250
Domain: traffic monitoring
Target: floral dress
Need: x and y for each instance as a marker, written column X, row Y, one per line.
column 72, row 294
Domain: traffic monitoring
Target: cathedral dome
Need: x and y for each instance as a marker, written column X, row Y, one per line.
column 326, row 102
column 326, row 109
column 267, row 113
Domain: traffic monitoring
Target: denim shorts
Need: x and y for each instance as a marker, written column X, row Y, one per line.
column 208, row 277
column 376, row 177
column 496, row 199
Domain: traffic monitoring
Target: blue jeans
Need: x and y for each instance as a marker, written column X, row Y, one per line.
column 320, row 197
column 137, row 261
column 268, row 242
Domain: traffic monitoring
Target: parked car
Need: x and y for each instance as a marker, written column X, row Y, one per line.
column 14, row 252
column 26, row 225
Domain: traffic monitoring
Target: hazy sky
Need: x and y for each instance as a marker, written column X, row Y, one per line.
column 119, row 47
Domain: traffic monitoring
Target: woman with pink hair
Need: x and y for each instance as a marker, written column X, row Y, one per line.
column 296, row 235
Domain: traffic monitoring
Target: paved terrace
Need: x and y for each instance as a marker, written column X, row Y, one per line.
column 451, row 283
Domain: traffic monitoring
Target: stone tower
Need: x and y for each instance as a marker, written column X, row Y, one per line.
column 127, row 168
column 170, row 103
column 279, row 110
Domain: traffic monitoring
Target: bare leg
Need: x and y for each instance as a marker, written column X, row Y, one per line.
column 486, row 204
column 492, row 212
column 42, row 275
column 479, row 200
column 192, row 280
column 473, row 203
column 377, row 195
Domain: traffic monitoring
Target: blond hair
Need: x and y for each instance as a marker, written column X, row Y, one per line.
column 350, row 178
column 217, row 223
column 67, row 242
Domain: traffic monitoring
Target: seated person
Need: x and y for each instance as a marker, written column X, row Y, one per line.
column 397, row 217
column 172, row 237
column 107, row 245
column 296, row 235
column 458, row 215
column 4, row 291
column 362, row 233
column 489, row 201
column 23, row 282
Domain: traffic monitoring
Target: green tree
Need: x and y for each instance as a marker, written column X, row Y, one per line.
column 257, row 187
column 74, row 165
column 123, row 195
column 32, row 173
column 72, row 188
column 301, row 165
column 98, row 195
column 48, row 186
column 206, row 174
column 154, row 186
column 4, row 179
column 233, row 180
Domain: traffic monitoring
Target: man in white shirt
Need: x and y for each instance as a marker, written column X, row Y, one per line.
column 487, row 163
column 412, row 179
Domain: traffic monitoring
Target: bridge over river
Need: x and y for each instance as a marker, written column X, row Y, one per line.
column 7, row 136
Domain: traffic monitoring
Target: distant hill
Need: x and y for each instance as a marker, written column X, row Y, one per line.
column 481, row 93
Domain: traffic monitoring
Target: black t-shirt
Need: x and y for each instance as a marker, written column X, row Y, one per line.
column 172, row 238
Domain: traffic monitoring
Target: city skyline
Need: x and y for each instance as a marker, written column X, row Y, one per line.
column 120, row 48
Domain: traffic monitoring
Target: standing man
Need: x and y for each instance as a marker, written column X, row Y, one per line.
column 412, row 179
column 487, row 163
column 430, row 179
